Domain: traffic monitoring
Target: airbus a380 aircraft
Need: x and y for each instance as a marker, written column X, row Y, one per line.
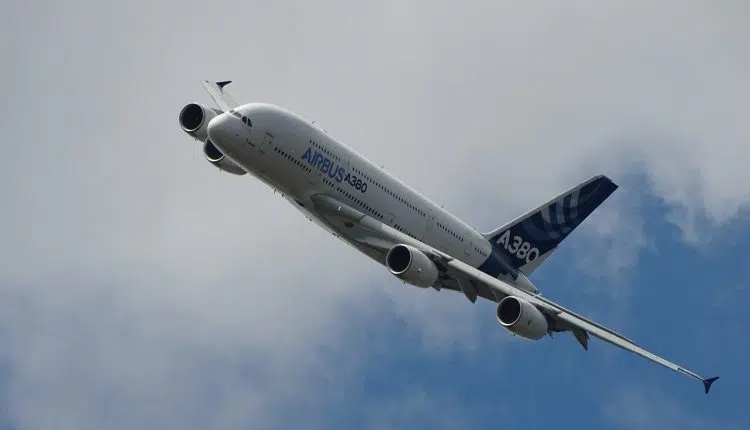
column 417, row 241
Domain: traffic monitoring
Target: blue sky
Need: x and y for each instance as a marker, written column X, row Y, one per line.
column 142, row 288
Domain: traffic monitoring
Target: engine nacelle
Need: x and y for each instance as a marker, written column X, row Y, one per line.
column 194, row 120
column 217, row 158
column 411, row 265
column 521, row 318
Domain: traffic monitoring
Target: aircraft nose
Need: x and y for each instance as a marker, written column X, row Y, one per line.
column 222, row 129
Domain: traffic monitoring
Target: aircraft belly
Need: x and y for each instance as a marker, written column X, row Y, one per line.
column 342, row 228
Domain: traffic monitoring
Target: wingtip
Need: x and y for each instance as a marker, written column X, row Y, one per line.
column 223, row 84
column 707, row 383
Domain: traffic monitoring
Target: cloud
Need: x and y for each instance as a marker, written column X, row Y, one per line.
column 608, row 247
column 140, row 286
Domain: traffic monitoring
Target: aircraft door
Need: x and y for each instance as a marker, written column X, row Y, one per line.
column 390, row 219
column 264, row 164
column 267, row 145
column 429, row 222
column 469, row 246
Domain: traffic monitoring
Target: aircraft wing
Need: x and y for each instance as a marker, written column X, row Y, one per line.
column 376, row 239
column 562, row 314
column 457, row 275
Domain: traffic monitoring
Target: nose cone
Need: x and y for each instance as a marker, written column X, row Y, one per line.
column 221, row 129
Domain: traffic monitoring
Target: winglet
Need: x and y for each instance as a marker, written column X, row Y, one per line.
column 707, row 383
column 216, row 91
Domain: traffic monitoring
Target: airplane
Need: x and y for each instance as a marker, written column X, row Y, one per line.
column 418, row 241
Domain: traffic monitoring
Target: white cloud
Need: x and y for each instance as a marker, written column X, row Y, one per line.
column 139, row 280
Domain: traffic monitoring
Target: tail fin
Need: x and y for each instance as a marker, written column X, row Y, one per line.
column 529, row 239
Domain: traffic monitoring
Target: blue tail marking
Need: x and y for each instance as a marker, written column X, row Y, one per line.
column 524, row 243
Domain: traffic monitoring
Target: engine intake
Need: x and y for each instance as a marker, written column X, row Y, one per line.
column 194, row 120
column 411, row 265
column 217, row 158
column 522, row 318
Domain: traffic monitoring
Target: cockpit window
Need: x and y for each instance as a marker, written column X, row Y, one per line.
column 246, row 120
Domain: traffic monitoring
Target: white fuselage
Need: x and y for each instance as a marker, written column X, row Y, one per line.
column 300, row 160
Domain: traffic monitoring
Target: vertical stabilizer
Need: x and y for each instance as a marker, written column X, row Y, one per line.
column 529, row 239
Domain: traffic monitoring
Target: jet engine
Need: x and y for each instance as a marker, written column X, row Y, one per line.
column 217, row 158
column 411, row 265
column 521, row 318
column 194, row 120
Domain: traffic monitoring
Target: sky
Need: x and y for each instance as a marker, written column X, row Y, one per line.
column 140, row 287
